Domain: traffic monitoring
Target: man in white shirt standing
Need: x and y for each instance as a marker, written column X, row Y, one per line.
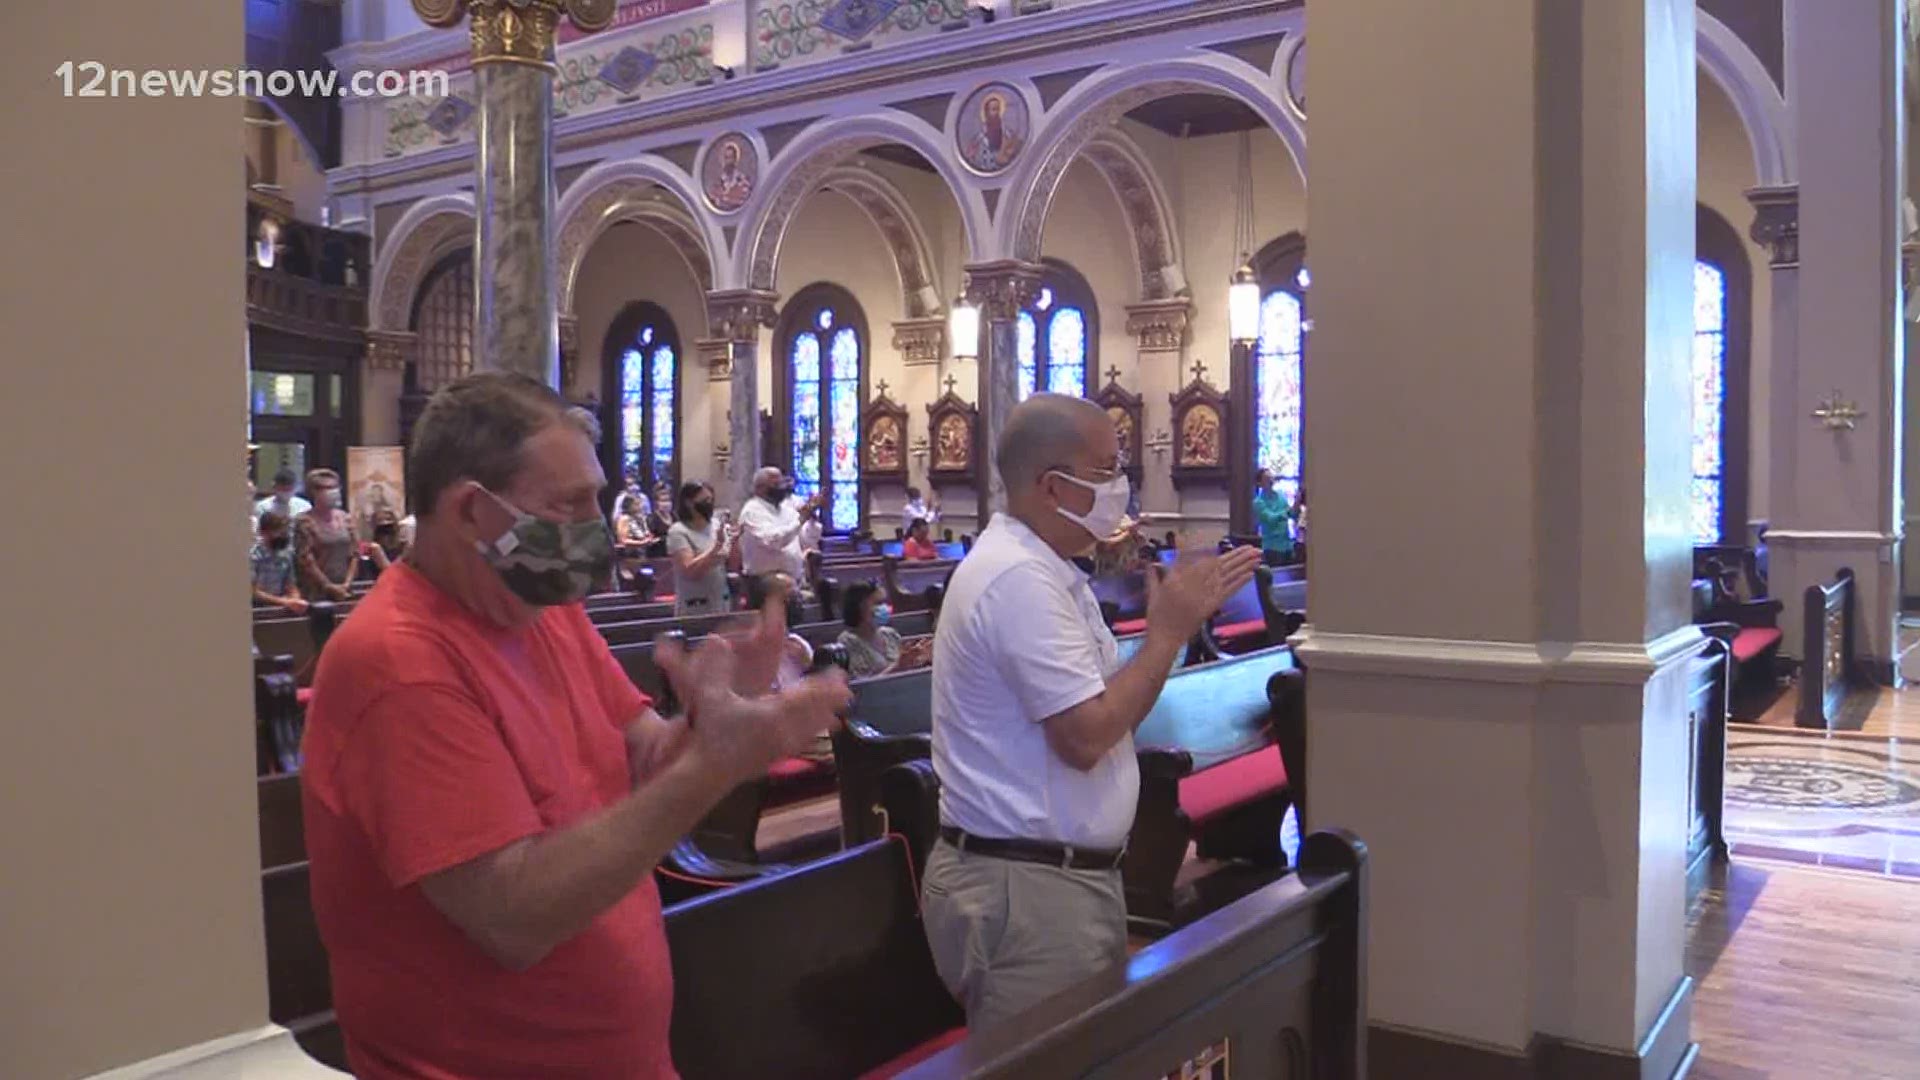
column 1033, row 720
column 918, row 510
column 283, row 501
column 770, row 526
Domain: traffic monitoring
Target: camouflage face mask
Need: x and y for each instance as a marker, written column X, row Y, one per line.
column 548, row 563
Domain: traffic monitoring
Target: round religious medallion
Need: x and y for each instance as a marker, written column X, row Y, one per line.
column 1794, row 783
column 729, row 172
column 590, row 15
column 992, row 128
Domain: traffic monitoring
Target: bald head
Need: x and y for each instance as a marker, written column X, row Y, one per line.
column 1051, row 431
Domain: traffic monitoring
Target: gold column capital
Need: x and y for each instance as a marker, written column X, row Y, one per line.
column 515, row 31
column 389, row 350
column 738, row 314
column 1160, row 325
column 1003, row 287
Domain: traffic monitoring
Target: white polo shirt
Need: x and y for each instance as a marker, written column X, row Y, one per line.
column 770, row 538
column 1020, row 639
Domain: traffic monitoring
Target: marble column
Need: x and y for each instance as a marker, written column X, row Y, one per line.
column 513, row 68
column 568, row 342
column 1497, row 704
column 1001, row 289
column 736, row 316
column 1835, row 501
column 382, row 383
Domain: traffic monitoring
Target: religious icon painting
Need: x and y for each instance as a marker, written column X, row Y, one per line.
column 993, row 128
column 1200, row 437
column 729, row 171
column 952, row 448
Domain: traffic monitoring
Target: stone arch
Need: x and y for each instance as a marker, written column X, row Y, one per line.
column 646, row 190
column 1150, row 219
column 799, row 170
column 429, row 230
column 906, row 239
column 1093, row 107
column 1761, row 108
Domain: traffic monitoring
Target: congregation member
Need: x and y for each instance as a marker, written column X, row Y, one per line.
column 630, row 525
column 699, row 545
column 486, row 793
column 873, row 647
column 660, row 520
column 917, row 509
column 770, row 526
column 1275, row 517
column 272, row 559
column 631, row 488
column 282, row 499
column 388, row 546
column 918, row 545
column 1033, row 720
column 326, row 553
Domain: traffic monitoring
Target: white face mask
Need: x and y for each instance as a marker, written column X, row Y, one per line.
column 1109, row 504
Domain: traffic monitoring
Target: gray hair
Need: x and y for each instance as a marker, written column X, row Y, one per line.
column 474, row 429
column 1042, row 433
column 765, row 473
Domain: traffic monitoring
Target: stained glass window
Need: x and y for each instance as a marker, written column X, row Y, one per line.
column 648, row 383
column 1276, row 376
column 1709, row 374
column 824, row 410
column 1052, row 337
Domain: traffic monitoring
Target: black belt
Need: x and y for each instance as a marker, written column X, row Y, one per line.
column 1064, row 856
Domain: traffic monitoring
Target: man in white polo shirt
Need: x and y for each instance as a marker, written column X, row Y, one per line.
column 770, row 526
column 1033, row 720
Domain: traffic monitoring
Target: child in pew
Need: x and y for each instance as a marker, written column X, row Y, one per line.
column 873, row 647
column 272, row 559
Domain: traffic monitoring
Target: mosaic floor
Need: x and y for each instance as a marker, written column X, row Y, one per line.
column 1849, row 803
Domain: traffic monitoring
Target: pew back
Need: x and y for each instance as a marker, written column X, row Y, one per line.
column 1215, row 711
column 1275, row 982
column 1829, row 664
column 821, row 972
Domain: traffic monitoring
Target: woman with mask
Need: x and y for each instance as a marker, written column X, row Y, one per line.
column 873, row 647
column 699, row 546
column 325, row 550
column 1274, row 516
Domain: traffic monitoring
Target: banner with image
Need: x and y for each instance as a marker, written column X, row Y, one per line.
column 376, row 481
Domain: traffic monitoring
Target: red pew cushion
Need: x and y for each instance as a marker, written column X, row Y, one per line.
column 1753, row 641
column 796, row 768
column 1236, row 631
column 915, row 1056
column 1211, row 792
column 1129, row 626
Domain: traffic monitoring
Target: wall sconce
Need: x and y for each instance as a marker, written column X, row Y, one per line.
column 729, row 50
column 1160, row 442
column 722, row 455
column 921, row 448
column 1836, row 414
column 984, row 11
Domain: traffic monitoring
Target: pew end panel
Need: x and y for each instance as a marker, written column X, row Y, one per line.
column 1274, row 983
column 1830, row 663
column 687, row 872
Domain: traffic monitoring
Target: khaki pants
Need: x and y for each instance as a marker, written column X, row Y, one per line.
column 1007, row 935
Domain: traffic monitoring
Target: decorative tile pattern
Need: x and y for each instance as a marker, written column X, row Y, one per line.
column 1842, row 803
column 448, row 117
column 801, row 30
column 855, row 19
column 628, row 70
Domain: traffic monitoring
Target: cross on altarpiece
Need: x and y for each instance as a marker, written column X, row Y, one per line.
column 1113, row 374
column 951, row 381
column 883, row 388
column 1199, row 371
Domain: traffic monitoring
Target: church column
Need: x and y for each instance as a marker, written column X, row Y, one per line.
column 513, row 326
column 1159, row 328
column 1498, row 455
column 568, row 342
column 736, row 316
column 1001, row 289
column 1836, row 400
column 382, row 382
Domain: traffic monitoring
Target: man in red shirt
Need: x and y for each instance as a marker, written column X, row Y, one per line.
column 486, row 793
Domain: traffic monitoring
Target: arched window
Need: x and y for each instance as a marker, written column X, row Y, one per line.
column 820, row 375
column 641, row 414
column 1722, row 309
column 1268, row 378
column 443, row 319
column 1058, row 334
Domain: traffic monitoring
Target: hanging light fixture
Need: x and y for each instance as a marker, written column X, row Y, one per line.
column 1243, row 290
column 963, row 327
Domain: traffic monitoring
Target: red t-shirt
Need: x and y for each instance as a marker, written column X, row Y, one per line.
column 917, row 549
column 433, row 738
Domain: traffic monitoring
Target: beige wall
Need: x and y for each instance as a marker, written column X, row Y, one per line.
column 1726, row 172
column 131, row 921
column 631, row 262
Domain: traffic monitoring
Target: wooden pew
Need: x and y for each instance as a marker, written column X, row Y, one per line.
column 1749, row 628
column 914, row 585
column 1829, row 661
column 820, row 972
column 1708, row 705
column 1275, row 982
column 1211, row 772
column 278, row 716
column 763, row 975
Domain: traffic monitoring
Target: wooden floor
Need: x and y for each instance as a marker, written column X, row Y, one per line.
column 1873, row 713
column 1807, row 974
